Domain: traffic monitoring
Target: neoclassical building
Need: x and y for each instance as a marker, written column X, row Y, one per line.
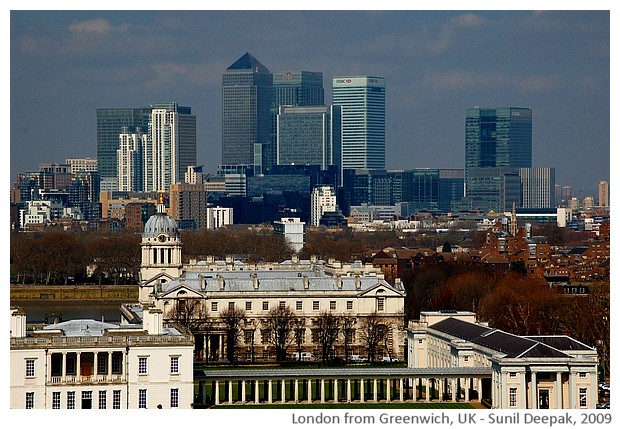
column 310, row 288
column 528, row 372
column 87, row 364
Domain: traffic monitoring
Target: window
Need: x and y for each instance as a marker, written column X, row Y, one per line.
column 332, row 305
column 142, row 368
column 512, row 374
column 116, row 399
column 102, row 400
column 513, row 397
column 214, row 306
column 465, row 358
column 102, row 363
column 350, row 333
column 265, row 335
column 249, row 336
column 349, row 305
column 583, row 375
column 265, row 305
column 299, row 305
column 583, row 397
column 29, row 400
column 282, row 304
column 29, row 367
column 174, row 364
column 248, row 306
column 87, row 400
column 419, row 341
column 56, row 400
column 142, row 398
column 71, row 400
column 380, row 304
column 231, row 305
column 174, row 398
column 315, row 305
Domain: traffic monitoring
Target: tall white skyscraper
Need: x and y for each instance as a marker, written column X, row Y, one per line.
column 363, row 120
column 171, row 146
column 129, row 162
column 323, row 199
column 537, row 187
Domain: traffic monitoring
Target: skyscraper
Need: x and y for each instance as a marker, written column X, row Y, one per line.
column 130, row 171
column 363, row 120
column 298, row 88
column 537, row 187
column 110, row 122
column 171, row 146
column 603, row 194
column 500, row 137
column 247, row 93
column 309, row 135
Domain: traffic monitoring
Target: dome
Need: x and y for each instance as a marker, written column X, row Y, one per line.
column 160, row 223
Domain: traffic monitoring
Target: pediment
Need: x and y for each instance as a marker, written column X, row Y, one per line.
column 180, row 291
column 382, row 288
column 163, row 277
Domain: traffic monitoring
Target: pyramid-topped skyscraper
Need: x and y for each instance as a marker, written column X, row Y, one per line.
column 246, row 102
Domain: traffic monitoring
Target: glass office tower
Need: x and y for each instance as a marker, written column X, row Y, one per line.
column 247, row 93
column 363, row 120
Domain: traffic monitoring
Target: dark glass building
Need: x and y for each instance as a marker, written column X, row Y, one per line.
column 247, row 94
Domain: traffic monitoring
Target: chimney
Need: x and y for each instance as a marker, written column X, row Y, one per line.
column 397, row 283
column 295, row 259
column 18, row 323
column 358, row 282
column 339, row 281
column 153, row 322
column 306, row 282
column 314, row 259
column 221, row 282
column 203, row 282
column 254, row 280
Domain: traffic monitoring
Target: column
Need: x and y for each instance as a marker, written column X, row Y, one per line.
column 78, row 370
column 572, row 391
column 205, row 347
column 375, row 392
column 243, row 391
column 269, row 392
column 348, row 390
column 401, row 390
column 95, row 366
column 256, row 392
column 504, row 390
column 428, row 389
column 335, row 390
column 283, row 385
column 558, row 391
column 362, row 382
column 208, row 342
column 296, row 390
column 467, row 382
column 230, row 392
column 533, row 392
column 522, row 390
column 109, row 365
column 388, row 390
column 322, row 390
column 64, row 366
column 309, row 390
column 217, row 392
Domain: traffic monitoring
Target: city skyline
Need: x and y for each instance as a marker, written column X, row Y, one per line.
column 106, row 59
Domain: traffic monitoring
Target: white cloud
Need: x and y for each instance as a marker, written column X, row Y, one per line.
column 98, row 25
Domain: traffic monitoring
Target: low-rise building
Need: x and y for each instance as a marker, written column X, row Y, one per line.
column 84, row 364
column 528, row 372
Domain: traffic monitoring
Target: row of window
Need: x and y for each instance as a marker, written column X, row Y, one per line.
column 142, row 366
column 583, row 398
column 102, row 403
column 316, row 306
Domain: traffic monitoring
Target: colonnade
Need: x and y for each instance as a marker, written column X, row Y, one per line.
column 375, row 388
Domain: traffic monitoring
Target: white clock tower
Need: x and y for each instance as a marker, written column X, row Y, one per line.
column 161, row 249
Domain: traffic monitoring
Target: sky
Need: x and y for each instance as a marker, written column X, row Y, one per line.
column 65, row 64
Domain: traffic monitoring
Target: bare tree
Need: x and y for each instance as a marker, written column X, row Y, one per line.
column 373, row 331
column 278, row 327
column 299, row 326
column 190, row 313
column 233, row 319
column 347, row 324
column 327, row 326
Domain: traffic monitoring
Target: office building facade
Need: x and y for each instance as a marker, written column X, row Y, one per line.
column 537, row 187
column 129, row 159
column 247, row 94
column 603, row 194
column 309, row 135
column 323, row 200
column 363, row 120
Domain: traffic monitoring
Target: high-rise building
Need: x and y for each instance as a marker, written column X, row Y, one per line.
column 188, row 204
column 497, row 139
column 363, row 120
column 130, row 171
column 247, row 94
column 171, row 146
column 309, row 135
column 323, row 199
column 603, row 194
column 537, row 187
column 110, row 122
